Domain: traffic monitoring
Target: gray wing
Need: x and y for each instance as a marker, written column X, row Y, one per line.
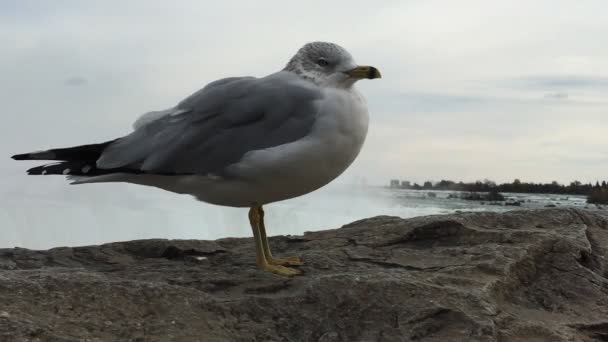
column 148, row 117
column 217, row 125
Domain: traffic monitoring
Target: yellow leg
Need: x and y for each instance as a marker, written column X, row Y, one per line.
column 288, row 261
column 260, row 258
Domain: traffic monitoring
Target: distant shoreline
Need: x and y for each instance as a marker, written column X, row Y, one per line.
column 506, row 192
column 596, row 193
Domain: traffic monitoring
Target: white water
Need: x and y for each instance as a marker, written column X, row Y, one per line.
column 48, row 213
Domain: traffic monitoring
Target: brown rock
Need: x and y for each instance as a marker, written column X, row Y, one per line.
column 519, row 276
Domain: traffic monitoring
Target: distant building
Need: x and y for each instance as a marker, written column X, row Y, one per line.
column 406, row 184
column 394, row 183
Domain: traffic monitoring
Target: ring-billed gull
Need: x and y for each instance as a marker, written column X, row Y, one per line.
column 240, row 141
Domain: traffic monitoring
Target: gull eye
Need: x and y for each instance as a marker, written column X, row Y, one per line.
column 322, row 62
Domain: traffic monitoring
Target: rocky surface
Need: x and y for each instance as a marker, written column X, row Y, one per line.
column 520, row 276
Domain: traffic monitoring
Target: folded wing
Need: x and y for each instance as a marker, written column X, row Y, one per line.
column 217, row 125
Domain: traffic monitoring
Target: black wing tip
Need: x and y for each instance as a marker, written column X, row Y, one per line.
column 38, row 155
column 24, row 156
column 38, row 170
column 72, row 168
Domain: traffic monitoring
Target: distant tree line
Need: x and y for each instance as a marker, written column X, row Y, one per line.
column 596, row 193
column 598, row 196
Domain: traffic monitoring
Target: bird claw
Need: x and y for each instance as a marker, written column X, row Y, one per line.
column 287, row 261
column 281, row 270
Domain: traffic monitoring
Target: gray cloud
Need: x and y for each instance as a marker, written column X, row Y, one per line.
column 75, row 81
column 562, row 82
column 557, row 96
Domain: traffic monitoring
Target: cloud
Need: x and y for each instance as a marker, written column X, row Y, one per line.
column 562, row 82
column 75, row 81
column 557, row 96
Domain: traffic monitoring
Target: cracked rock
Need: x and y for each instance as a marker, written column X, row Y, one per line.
column 519, row 276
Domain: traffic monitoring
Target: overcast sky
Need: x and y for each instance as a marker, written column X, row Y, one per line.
column 471, row 89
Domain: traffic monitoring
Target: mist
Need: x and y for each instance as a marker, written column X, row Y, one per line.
column 49, row 213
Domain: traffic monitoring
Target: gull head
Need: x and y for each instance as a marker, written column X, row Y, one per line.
column 329, row 65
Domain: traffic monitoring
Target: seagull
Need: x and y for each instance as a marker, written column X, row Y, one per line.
column 240, row 141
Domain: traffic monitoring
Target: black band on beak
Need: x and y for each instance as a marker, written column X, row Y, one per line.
column 373, row 73
column 364, row 71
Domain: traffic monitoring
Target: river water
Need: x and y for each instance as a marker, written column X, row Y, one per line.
column 48, row 213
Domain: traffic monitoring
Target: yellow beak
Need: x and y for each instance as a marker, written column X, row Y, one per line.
column 364, row 71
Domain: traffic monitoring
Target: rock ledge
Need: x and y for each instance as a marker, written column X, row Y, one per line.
column 538, row 275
